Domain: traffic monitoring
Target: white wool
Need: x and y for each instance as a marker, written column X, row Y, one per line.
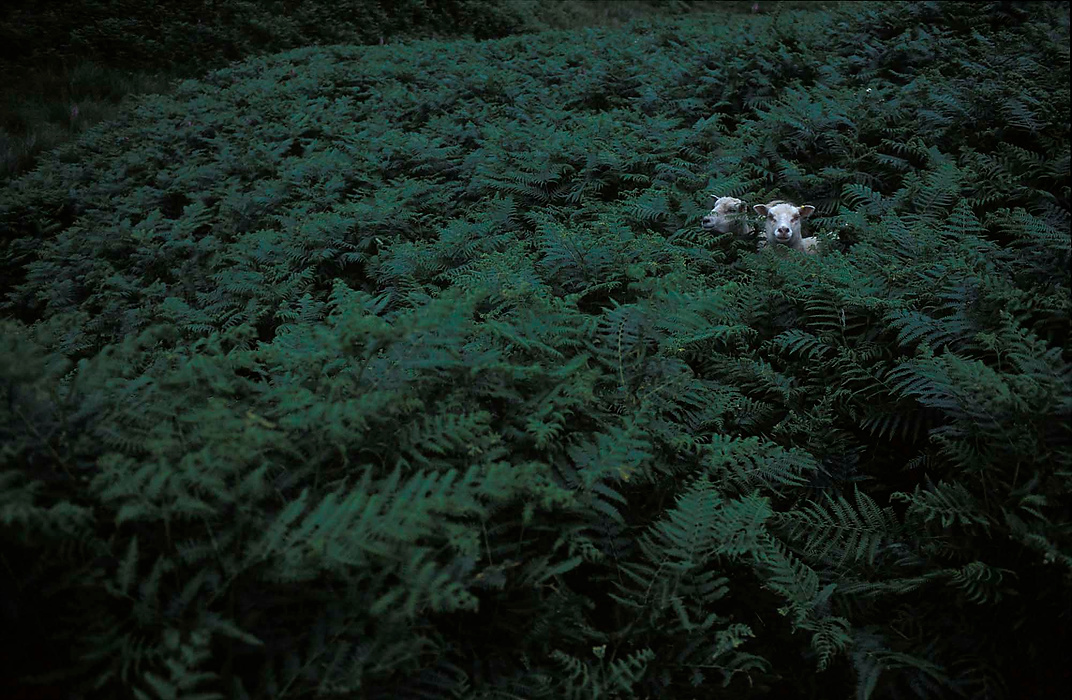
column 728, row 215
column 782, row 222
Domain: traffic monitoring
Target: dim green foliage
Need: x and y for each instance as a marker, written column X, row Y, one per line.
column 407, row 371
column 66, row 64
column 193, row 34
column 197, row 32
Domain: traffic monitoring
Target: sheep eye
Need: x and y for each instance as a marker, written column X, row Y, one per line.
column 796, row 218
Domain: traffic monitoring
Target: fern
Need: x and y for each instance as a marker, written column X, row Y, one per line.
column 408, row 371
column 857, row 533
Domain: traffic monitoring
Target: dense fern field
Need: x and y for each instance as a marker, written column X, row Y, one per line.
column 408, row 371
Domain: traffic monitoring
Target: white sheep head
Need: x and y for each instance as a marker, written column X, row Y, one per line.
column 782, row 223
column 727, row 215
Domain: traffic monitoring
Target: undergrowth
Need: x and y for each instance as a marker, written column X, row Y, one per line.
column 408, row 371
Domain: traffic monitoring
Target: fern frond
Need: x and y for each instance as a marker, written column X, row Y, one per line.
column 855, row 533
column 948, row 503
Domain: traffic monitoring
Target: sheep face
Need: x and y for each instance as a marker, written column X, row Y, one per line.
column 783, row 222
column 726, row 214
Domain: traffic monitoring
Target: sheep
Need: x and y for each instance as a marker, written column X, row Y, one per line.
column 727, row 216
column 783, row 225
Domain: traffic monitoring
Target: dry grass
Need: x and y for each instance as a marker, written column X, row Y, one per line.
column 44, row 108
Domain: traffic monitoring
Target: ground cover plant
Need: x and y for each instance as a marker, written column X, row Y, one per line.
column 409, row 371
column 66, row 67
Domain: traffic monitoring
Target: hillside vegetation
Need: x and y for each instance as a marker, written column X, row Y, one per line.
column 66, row 65
column 407, row 371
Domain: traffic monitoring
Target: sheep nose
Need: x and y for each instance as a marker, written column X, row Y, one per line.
column 783, row 230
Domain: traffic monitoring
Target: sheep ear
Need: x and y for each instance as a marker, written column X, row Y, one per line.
column 760, row 209
column 807, row 210
column 714, row 198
